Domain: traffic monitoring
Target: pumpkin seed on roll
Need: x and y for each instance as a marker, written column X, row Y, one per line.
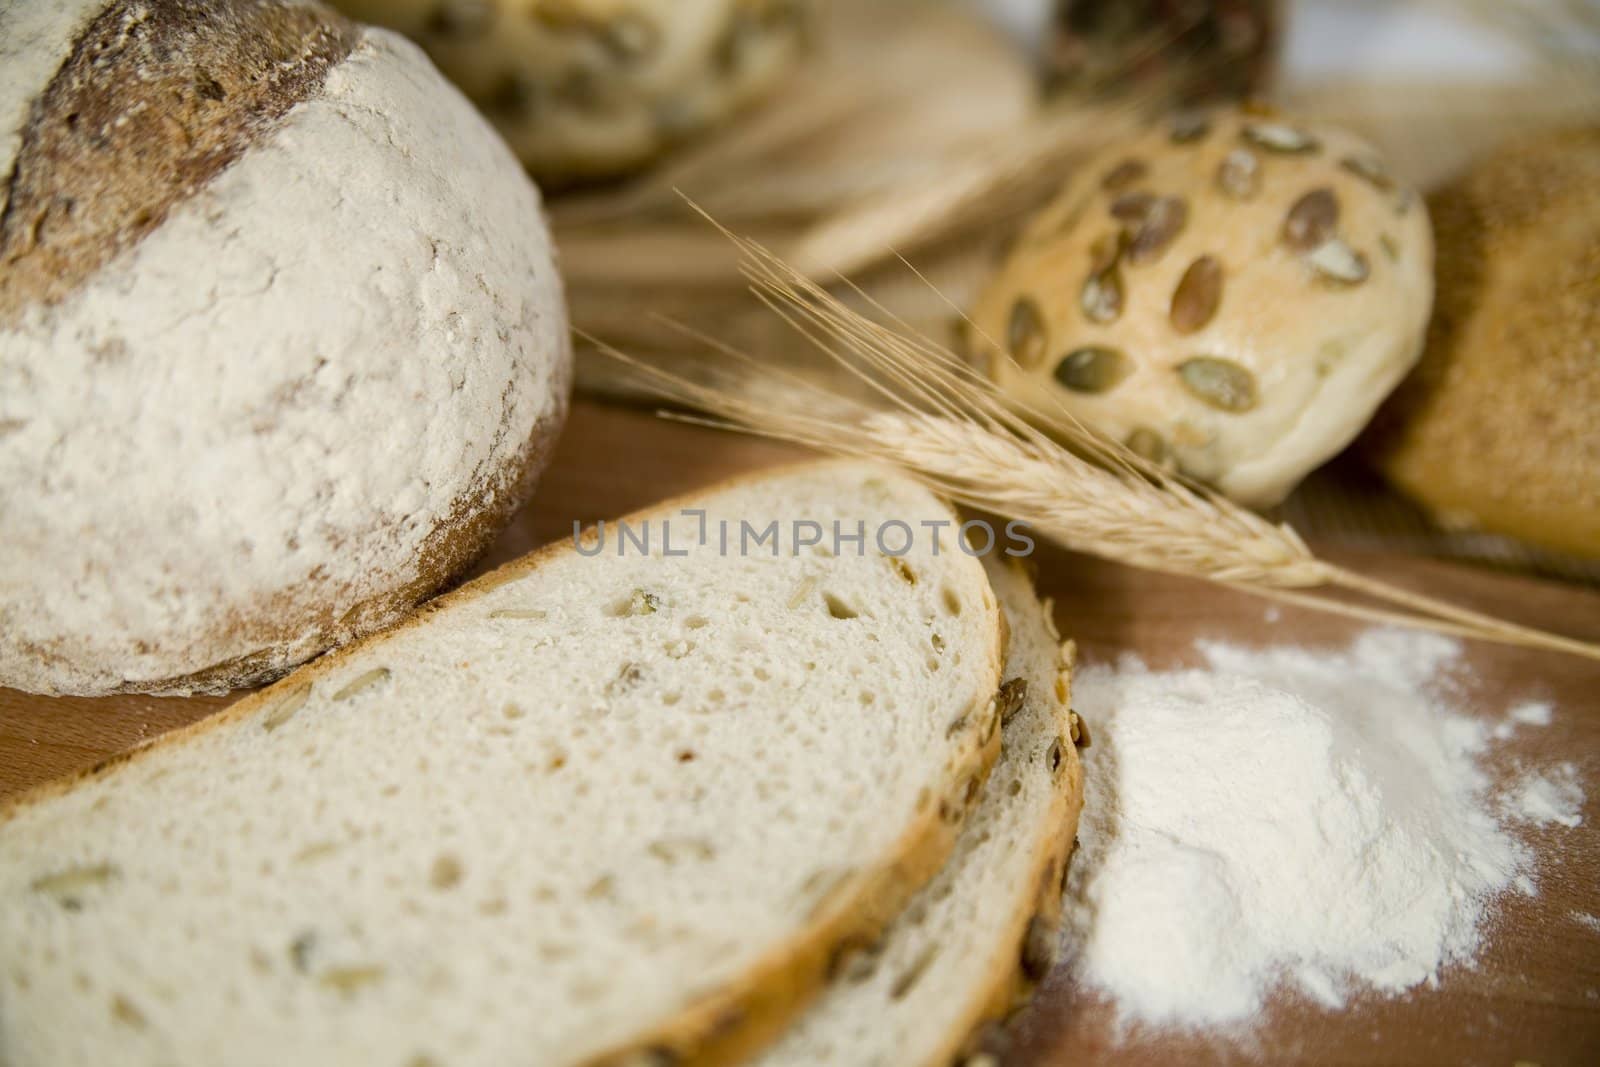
column 1230, row 294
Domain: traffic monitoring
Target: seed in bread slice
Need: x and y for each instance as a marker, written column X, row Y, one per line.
column 585, row 810
column 984, row 930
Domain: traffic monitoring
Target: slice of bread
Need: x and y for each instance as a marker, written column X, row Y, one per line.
column 586, row 810
column 983, row 931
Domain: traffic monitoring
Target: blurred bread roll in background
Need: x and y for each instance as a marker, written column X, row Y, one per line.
column 1499, row 428
column 585, row 89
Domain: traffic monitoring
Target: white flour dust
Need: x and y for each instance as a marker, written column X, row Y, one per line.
column 1535, row 713
column 1555, row 797
column 1288, row 816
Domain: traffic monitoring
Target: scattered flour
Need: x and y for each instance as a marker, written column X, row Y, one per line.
column 1288, row 816
column 1585, row 919
column 1530, row 714
column 1553, row 798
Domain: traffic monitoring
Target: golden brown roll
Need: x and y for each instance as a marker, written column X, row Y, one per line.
column 1499, row 426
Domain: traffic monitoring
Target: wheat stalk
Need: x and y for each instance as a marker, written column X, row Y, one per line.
column 942, row 423
column 971, row 188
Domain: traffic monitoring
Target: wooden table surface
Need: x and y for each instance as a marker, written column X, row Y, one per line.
column 1534, row 995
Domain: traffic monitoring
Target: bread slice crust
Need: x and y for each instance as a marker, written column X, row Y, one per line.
column 1026, row 912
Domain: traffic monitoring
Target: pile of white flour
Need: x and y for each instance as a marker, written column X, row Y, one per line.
column 1287, row 816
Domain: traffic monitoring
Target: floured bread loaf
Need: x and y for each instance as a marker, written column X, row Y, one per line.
column 282, row 342
column 595, row 88
column 587, row 810
column 985, row 928
column 1230, row 294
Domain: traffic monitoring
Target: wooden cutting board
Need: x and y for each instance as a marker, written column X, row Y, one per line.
column 1534, row 995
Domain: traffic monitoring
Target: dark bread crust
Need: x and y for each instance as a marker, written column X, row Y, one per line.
column 154, row 101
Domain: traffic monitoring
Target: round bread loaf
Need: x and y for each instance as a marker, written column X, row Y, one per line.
column 594, row 88
column 1232, row 295
column 1499, row 428
column 282, row 344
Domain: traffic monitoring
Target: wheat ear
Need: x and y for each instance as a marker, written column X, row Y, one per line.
column 950, row 428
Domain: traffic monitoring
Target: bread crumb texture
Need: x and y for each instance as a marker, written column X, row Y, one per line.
column 281, row 340
column 537, row 816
